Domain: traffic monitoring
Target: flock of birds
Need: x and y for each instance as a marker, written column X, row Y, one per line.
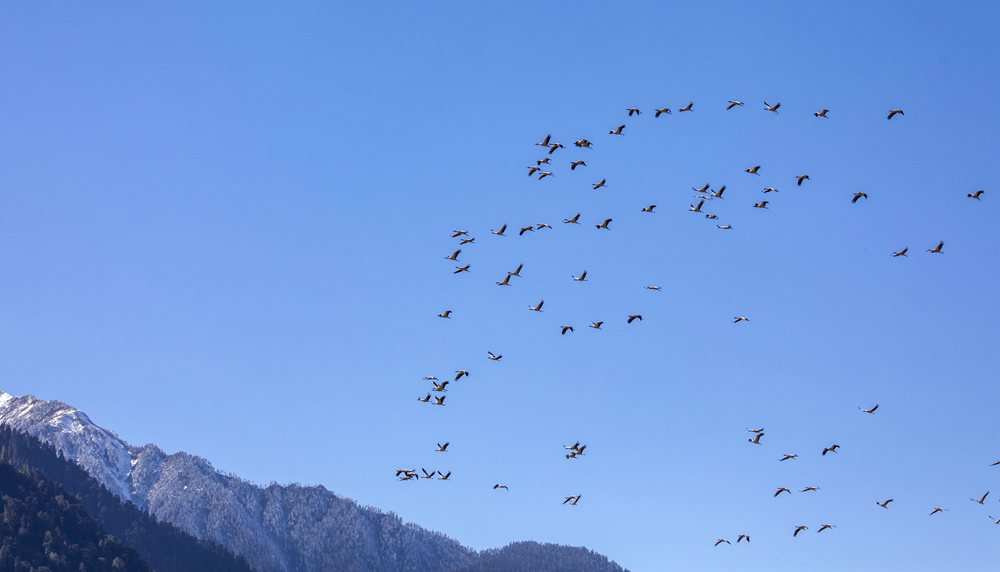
column 705, row 194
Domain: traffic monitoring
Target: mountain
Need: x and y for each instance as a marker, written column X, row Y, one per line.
column 43, row 528
column 275, row 528
column 161, row 544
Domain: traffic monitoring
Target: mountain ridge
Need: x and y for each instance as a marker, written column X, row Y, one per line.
column 276, row 528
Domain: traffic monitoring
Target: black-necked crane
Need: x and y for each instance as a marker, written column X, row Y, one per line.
column 605, row 224
column 596, row 325
column 724, row 226
column 445, row 314
column 468, row 240
column 524, row 229
column 439, row 400
column 574, row 164
column 722, row 541
column 697, row 208
column 781, row 490
column 583, row 143
column 822, row 113
column 460, row 373
column 885, row 504
column 976, row 195
column 858, row 196
column 788, row 457
column 633, row 111
column 936, row 510
column 458, row 233
column 425, row 399
column 738, row 319
column 494, row 357
column 545, row 142
column 505, row 281
column 581, row 278
column 756, row 438
column 500, row 232
column 427, row 474
column 981, row 499
column 760, row 205
column 648, row 209
column 545, row 174
column 460, row 269
column 826, row 527
column 871, row 410
column 600, row 184
column 538, row 307
column 831, row 449
column 688, row 107
column 633, row 317
column 894, row 113
column 717, row 194
column 444, row 476
column 499, row 486
column 937, row 249
column 443, row 447
column 733, row 103
column 755, row 170
column 743, row 537
column 544, row 161
column 534, row 169
column 654, row 288
column 573, row 499
column 704, row 188
column 801, row 179
column 772, row 108
column 440, row 386
column 660, row 111
column 799, row 529
column 809, row 489
column 617, row 131
column 574, row 220
column 565, row 329
column 899, row 253
column 554, row 146
column 769, row 190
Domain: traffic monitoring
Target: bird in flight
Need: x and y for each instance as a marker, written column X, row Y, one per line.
column 500, row 232
column 781, row 490
column 788, row 457
column 581, row 278
column 469, row 240
column 871, row 410
column 574, row 220
column 505, row 281
column 524, row 229
column 544, row 161
column 661, row 111
column 443, row 447
column 718, row 194
column 756, row 438
column 596, row 325
column 424, row 399
column 545, row 142
column 822, row 113
column 517, row 271
column 826, row 527
column 494, row 357
column 799, row 529
column 982, row 499
column 617, row 131
column 439, row 400
column 440, row 386
column 703, row 189
column 565, row 329
column 755, row 170
column 600, row 184
column 688, row 107
column 634, row 317
column 976, row 195
column 769, row 190
column 427, row 474
column 772, row 108
column 858, row 196
column 533, row 169
column 459, row 374
column 458, row 233
column 537, row 308
column 885, row 504
column 831, row 449
column 731, row 105
column 739, row 319
column 460, row 269
column 444, row 476
column 800, row 179
column 583, row 143
column 573, row 499
column 605, row 224
column 760, row 205
column 724, row 226
column 633, row 111
column 445, row 314
column 648, row 209
column 936, row 510
column 937, row 249
column 894, row 113
column 554, row 146
column 697, row 208
column 722, row 541
column 654, row 288
column 574, row 164
column 899, row 253
column 499, row 486
column 742, row 537
column 809, row 489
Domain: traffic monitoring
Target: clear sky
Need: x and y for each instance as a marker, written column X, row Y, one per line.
column 222, row 230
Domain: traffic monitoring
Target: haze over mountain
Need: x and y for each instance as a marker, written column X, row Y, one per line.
column 275, row 528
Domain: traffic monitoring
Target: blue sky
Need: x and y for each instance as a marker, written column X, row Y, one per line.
column 222, row 229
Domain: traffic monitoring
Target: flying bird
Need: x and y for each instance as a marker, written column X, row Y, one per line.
column 800, row 179
column 460, row 373
column 533, row 169
column 634, row 317
column 583, row 143
column 982, row 499
column 605, row 224
column 469, row 240
column 724, row 226
column 733, row 104
column 633, row 111
column 721, row 541
column 427, row 474
column 976, row 195
column 894, row 113
column 499, row 486
column 648, row 209
column 537, row 308
column 654, row 288
column 424, row 399
column 781, row 490
column 445, row 314
column 772, row 108
column 573, row 499
column 505, row 281
column 769, row 190
column 743, row 537
column 936, row 510
column 500, row 232
column 617, row 131
column 565, row 329
column 545, row 142
column 718, row 194
column 826, row 527
column 440, row 386
column 697, row 208
column 688, row 107
column 799, row 529
column 822, row 113
column 871, row 410
column 494, row 357
column 788, row 457
column 574, row 164
column 858, row 196
column 444, row 476
column 661, row 111
column 574, row 220
column 831, row 449
column 901, row 252
column 809, row 490
column 755, row 170
column 937, row 249
column 439, row 400
column 885, row 504
column 542, row 225
column 704, row 189
column 460, row 269
column 458, row 233
column 738, row 319
column 760, row 205
column 517, row 271
column 554, row 146
column 525, row 229
column 756, row 438
column 443, row 447
column 599, row 184
column 581, row 278
column 596, row 325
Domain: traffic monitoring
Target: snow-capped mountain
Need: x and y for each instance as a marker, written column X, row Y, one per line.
column 277, row 528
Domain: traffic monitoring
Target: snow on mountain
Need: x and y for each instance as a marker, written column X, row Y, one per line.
column 277, row 528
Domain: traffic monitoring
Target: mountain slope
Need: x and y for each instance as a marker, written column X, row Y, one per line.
column 277, row 528
column 161, row 544
column 43, row 528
